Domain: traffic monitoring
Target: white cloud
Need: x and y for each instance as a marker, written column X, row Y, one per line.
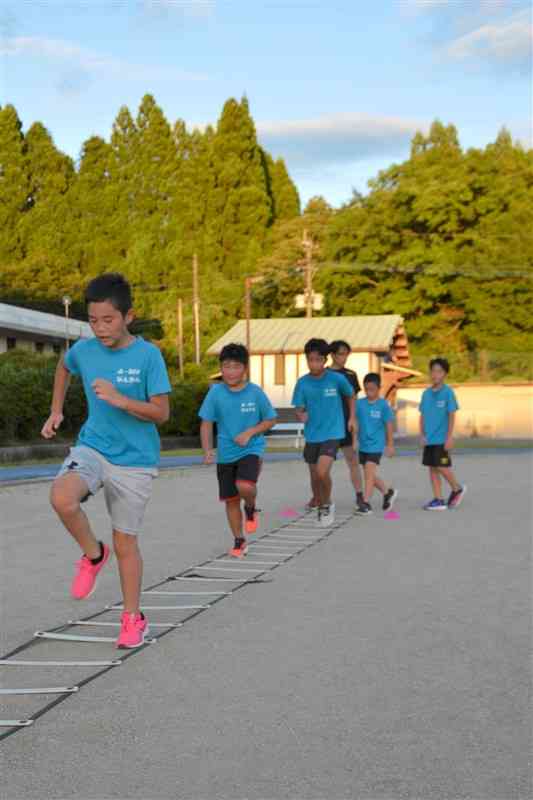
column 338, row 138
column 201, row 9
column 486, row 7
column 59, row 50
column 508, row 40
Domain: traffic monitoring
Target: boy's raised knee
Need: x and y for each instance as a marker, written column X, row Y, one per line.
column 63, row 503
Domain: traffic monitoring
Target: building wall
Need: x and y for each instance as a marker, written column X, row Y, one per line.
column 27, row 341
column 262, row 372
column 486, row 410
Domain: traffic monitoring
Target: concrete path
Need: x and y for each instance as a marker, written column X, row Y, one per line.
column 389, row 662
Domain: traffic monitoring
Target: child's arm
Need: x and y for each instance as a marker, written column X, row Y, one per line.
column 449, row 437
column 301, row 414
column 206, row 438
column 262, row 427
column 61, row 384
column 352, row 421
column 422, row 431
column 156, row 410
column 389, row 450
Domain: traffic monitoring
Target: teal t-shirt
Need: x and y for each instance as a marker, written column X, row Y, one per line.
column 137, row 371
column 235, row 412
column 435, row 406
column 372, row 419
column 322, row 398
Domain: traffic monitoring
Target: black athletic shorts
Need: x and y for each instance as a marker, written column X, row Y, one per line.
column 374, row 458
column 313, row 450
column 436, row 455
column 245, row 470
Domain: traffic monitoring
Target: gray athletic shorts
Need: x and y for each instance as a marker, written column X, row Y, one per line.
column 126, row 489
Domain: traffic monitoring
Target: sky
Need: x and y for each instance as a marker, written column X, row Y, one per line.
column 336, row 87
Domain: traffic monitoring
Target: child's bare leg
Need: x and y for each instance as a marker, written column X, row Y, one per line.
column 447, row 473
column 352, row 462
column 234, row 515
column 247, row 492
column 436, row 482
column 130, row 567
column 315, row 482
column 323, row 472
column 381, row 485
column 65, row 496
column 370, row 479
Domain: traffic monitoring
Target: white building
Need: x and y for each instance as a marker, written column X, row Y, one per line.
column 38, row 331
column 277, row 360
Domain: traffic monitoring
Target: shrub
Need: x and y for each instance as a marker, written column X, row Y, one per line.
column 26, row 383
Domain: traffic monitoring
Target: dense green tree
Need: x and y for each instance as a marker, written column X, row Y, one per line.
column 239, row 207
column 14, row 185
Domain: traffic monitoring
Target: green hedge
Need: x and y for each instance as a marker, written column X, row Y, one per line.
column 26, row 381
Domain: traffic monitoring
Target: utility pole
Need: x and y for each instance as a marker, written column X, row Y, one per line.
column 180, row 336
column 248, row 283
column 308, row 246
column 196, row 309
column 248, row 309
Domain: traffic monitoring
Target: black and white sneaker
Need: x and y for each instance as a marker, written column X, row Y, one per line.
column 389, row 498
column 364, row 509
column 456, row 497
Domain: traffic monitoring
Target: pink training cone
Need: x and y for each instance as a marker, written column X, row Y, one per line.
column 391, row 515
column 289, row 512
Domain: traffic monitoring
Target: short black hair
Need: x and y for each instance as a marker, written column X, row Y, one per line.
column 234, row 352
column 372, row 377
column 338, row 344
column 440, row 362
column 110, row 286
column 317, row 346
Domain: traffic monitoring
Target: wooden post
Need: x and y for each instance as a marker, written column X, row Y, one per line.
column 307, row 243
column 196, row 309
column 180, row 336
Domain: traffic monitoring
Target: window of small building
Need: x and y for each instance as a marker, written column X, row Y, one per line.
column 279, row 369
column 39, row 347
column 57, row 349
column 11, row 342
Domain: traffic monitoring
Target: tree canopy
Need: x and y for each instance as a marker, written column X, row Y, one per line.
column 444, row 238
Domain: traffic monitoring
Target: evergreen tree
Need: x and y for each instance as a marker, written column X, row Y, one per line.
column 285, row 198
column 14, row 184
column 240, row 207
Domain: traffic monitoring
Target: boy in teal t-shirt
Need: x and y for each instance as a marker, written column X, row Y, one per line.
column 437, row 418
column 319, row 400
column 242, row 413
column 126, row 386
column 375, row 420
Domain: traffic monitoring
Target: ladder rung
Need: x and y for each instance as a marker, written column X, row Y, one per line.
column 45, row 690
column 15, row 723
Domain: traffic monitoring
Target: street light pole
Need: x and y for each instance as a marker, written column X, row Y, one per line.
column 66, row 304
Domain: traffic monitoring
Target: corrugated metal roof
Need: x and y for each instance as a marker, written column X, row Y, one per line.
column 26, row 320
column 289, row 335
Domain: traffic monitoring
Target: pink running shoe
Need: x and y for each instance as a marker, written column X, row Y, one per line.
column 84, row 582
column 134, row 629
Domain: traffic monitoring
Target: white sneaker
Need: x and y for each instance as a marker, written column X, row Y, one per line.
column 327, row 516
